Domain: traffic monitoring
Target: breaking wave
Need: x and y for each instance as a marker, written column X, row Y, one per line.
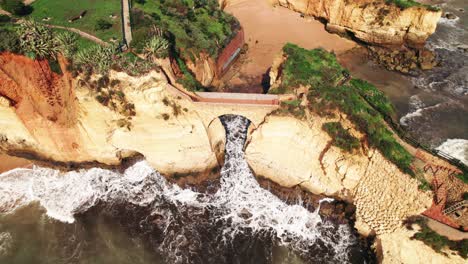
column 458, row 148
column 240, row 206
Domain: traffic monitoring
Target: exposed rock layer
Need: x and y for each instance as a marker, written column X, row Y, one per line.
column 373, row 22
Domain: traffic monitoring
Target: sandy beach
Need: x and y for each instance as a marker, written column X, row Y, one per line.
column 267, row 29
column 9, row 162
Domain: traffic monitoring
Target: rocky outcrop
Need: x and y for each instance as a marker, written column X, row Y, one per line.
column 373, row 22
column 383, row 195
column 399, row 247
column 204, row 69
column 62, row 121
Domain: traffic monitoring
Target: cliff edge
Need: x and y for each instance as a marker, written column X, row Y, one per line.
column 373, row 22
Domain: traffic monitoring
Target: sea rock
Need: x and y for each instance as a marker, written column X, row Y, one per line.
column 450, row 16
column 373, row 22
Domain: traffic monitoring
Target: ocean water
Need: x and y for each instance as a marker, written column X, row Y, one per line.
column 103, row 216
column 439, row 113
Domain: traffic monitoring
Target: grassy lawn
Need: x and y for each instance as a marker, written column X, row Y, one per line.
column 60, row 11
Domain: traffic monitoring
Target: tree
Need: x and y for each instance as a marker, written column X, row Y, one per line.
column 156, row 47
column 16, row 7
column 102, row 24
column 67, row 43
column 36, row 40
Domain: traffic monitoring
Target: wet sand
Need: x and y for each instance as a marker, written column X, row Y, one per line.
column 267, row 29
column 9, row 162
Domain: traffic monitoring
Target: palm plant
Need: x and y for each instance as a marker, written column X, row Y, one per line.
column 67, row 43
column 156, row 47
column 36, row 40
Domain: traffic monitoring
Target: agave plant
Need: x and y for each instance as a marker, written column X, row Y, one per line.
column 98, row 57
column 67, row 43
column 37, row 40
column 156, row 47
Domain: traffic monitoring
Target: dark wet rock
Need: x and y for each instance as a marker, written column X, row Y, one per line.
column 244, row 213
column 404, row 60
column 450, row 16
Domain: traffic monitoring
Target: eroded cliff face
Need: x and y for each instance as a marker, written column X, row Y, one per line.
column 373, row 22
column 293, row 152
column 61, row 121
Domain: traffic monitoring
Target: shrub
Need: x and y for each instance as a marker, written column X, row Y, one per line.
column 37, row 40
column 4, row 18
column 102, row 24
column 16, row 7
column 403, row 4
column 157, row 47
column 9, row 41
column 67, row 42
column 341, row 137
column 434, row 240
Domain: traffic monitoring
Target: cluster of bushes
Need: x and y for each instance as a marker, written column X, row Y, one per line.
column 15, row 7
column 341, row 137
column 434, row 240
column 320, row 70
column 403, row 4
column 176, row 108
column 193, row 26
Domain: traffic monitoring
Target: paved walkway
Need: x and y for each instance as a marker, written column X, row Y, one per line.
column 126, row 26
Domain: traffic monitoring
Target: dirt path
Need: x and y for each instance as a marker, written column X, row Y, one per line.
column 267, row 29
column 81, row 33
column 444, row 230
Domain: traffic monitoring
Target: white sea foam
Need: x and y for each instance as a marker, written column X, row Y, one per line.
column 449, row 22
column 458, row 148
column 240, row 199
column 406, row 119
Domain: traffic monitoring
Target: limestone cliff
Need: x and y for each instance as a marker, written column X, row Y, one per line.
column 373, row 22
column 52, row 117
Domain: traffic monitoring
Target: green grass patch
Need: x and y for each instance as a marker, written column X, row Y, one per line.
column 403, row 4
column 341, row 137
column 61, row 12
column 374, row 97
column 320, row 71
column 308, row 67
column 434, row 240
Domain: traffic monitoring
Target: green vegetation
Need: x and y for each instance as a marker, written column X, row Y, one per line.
column 37, row 41
column 9, row 40
column 15, row 7
column 374, row 97
column 463, row 176
column 156, row 47
column 193, row 27
column 97, row 58
column 305, row 67
column 321, row 71
column 61, row 12
column 341, row 137
column 403, row 4
column 434, row 240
